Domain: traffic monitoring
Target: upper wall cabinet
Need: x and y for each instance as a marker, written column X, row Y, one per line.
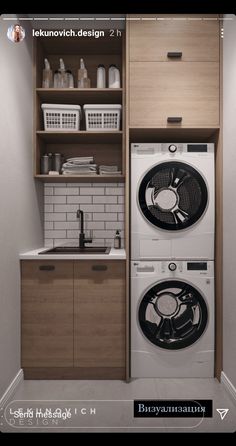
column 160, row 37
column 169, row 94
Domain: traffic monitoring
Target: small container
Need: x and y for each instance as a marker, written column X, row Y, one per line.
column 47, row 75
column 70, row 79
column 56, row 163
column 113, row 77
column 101, row 76
column 44, row 165
column 50, row 159
column 57, row 79
column 117, row 240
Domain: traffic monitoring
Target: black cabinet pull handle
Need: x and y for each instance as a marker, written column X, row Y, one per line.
column 174, row 119
column 47, row 268
column 99, row 267
column 174, row 54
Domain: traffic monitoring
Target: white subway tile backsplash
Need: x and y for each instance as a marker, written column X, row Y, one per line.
column 92, row 191
column 48, row 207
column 114, row 225
column 95, row 225
column 48, row 216
column 52, row 199
column 114, row 191
column 79, row 199
column 55, row 234
column 48, row 191
column 105, row 217
column 66, row 191
column 48, row 225
column 65, row 208
column 105, row 199
column 103, row 234
column 103, row 208
column 121, row 199
column 92, row 207
column 114, row 208
column 66, row 225
column 48, row 242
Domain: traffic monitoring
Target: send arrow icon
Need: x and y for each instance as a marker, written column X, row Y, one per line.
column 222, row 412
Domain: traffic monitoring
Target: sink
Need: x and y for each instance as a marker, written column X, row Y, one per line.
column 77, row 250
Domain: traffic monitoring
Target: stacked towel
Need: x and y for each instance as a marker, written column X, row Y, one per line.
column 109, row 170
column 81, row 165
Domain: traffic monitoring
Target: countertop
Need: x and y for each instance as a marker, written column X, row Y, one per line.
column 115, row 254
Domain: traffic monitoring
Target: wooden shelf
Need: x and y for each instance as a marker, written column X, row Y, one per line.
column 80, row 178
column 167, row 134
column 81, row 137
column 80, row 96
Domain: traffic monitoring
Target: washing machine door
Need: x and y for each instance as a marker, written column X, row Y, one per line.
column 173, row 315
column 172, row 195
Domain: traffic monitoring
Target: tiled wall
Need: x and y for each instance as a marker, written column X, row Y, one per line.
column 103, row 206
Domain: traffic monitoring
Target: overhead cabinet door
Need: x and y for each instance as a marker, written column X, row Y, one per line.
column 162, row 91
column 185, row 37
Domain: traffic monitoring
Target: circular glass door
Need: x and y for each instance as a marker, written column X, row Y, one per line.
column 172, row 195
column 173, row 315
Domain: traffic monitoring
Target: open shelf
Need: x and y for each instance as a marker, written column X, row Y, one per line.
column 80, row 96
column 81, row 137
column 81, row 178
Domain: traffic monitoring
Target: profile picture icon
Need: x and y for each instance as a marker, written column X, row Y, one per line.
column 16, row 33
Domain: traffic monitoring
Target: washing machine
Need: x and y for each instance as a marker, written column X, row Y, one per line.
column 172, row 201
column 172, row 319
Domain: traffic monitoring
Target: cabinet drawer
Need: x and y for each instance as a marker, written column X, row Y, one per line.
column 198, row 40
column 161, row 90
column 99, row 314
column 47, row 313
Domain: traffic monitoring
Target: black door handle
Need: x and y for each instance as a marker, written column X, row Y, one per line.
column 174, row 119
column 99, row 267
column 174, row 54
column 47, row 267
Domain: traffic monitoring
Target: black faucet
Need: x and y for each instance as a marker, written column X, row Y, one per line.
column 82, row 239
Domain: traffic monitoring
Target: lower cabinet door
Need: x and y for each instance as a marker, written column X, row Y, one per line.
column 99, row 314
column 47, row 313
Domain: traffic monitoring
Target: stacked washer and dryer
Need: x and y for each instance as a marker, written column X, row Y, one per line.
column 172, row 260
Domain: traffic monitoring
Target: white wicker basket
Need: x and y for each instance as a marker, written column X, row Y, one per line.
column 61, row 117
column 100, row 117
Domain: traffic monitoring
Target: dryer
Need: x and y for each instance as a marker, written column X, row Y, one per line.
column 172, row 201
column 172, row 319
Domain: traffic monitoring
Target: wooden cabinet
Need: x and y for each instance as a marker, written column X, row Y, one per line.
column 161, row 90
column 197, row 38
column 47, row 313
column 99, row 317
column 73, row 319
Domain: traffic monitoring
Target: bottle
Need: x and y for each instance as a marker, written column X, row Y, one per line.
column 117, row 240
column 47, row 75
column 56, row 162
column 44, row 165
column 70, row 79
column 83, row 80
column 57, row 79
column 101, row 76
column 113, row 77
column 62, row 71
